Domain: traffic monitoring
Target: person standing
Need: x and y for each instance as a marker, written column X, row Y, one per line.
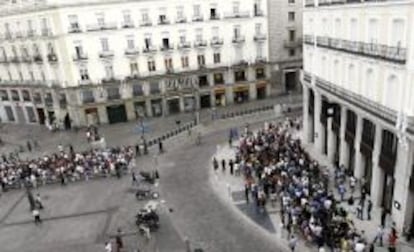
column 29, row 146
column 108, row 246
column 215, row 164
column 38, row 201
column 369, row 208
column 246, row 192
column 118, row 241
column 293, row 242
column 231, row 165
column 392, row 240
column 379, row 235
column 160, row 146
column 134, row 178
column 36, row 215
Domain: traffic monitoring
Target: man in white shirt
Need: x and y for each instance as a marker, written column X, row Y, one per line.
column 108, row 246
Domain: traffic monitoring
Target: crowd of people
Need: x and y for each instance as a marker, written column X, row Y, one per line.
column 64, row 166
column 276, row 167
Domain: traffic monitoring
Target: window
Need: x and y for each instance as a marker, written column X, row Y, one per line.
column 292, row 35
column 182, row 38
column 216, row 57
column 163, row 18
column 291, row 52
column 83, row 72
column 73, row 20
column 100, row 18
column 14, row 51
column 79, row 51
column 44, row 24
column 147, row 42
column 9, row 75
column 137, row 90
column 236, row 31
column 87, row 96
column 10, row 114
column 20, row 76
column 31, row 74
column 4, row 95
column 257, row 10
column 26, row 95
column 259, row 50
column 215, row 32
column 258, row 28
column 109, row 72
column 151, row 65
column 113, row 93
column 154, row 88
column 43, row 76
column 213, row 13
column 260, row 73
column 291, row 1
column 196, row 9
column 127, row 19
column 202, row 81
column 37, row 98
column 165, row 43
column 168, row 64
column 291, row 16
column 15, row 95
column 145, row 17
column 133, row 67
column 199, row 35
column 184, row 61
column 130, row 43
column 104, row 44
column 239, row 75
column 180, row 12
column 201, row 60
column 218, row 79
column 236, row 7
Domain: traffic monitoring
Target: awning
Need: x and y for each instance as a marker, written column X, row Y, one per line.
column 220, row 91
column 241, row 88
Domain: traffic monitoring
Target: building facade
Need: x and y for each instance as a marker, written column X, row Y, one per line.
column 86, row 62
column 358, row 88
column 285, row 44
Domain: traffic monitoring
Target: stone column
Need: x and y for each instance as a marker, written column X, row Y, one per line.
column 212, row 98
column 331, row 141
column 344, row 151
column 305, row 130
column 359, row 169
column 402, row 175
column 252, row 92
column 130, row 110
column 148, row 107
column 164, row 108
column 319, row 134
column 377, row 172
column 181, row 101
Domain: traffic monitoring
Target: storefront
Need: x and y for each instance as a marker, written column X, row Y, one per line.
column 156, row 107
column 205, row 100
column 173, row 104
column 261, row 90
column 220, row 94
column 92, row 116
column 116, row 113
column 241, row 93
column 189, row 103
column 140, row 109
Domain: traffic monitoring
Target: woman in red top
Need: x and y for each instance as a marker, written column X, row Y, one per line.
column 392, row 240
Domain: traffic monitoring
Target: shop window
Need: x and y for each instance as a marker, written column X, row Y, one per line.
column 240, row 75
column 260, row 73
column 218, row 79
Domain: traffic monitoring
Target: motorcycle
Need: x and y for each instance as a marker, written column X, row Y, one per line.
column 142, row 194
column 147, row 218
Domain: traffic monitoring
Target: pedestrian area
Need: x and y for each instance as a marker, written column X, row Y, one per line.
column 232, row 189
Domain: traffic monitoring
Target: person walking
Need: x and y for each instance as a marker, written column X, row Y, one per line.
column 108, row 246
column 369, row 208
column 392, row 240
column 215, row 164
column 223, row 165
column 379, row 235
column 246, row 192
column 29, row 146
column 293, row 242
column 359, row 211
column 38, row 202
column 160, row 146
column 36, row 215
column 231, row 165
column 118, row 241
column 134, row 178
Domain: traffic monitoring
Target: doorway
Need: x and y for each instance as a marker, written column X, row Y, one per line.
column 290, row 81
column 205, row 101
column 41, row 115
column 174, row 106
column 261, row 93
column 116, row 113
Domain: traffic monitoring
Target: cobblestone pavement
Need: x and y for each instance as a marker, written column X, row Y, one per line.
column 82, row 216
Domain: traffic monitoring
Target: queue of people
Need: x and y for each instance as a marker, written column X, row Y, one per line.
column 64, row 166
column 276, row 167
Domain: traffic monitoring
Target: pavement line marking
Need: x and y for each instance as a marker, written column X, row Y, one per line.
column 7, row 214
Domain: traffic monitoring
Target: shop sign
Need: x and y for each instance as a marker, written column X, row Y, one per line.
column 240, row 88
column 175, row 84
column 219, row 90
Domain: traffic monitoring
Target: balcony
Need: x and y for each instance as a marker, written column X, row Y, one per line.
column 238, row 40
column 149, row 49
column 181, row 20
column 260, row 60
column 216, row 42
column 324, row 2
column 101, row 27
column 259, row 37
column 126, row 25
column 308, row 39
column 166, row 48
column 74, row 28
column 292, row 43
column 163, row 21
column 197, row 18
column 146, row 23
column 322, row 41
column 215, row 17
column 200, row 43
column 31, row 33
column 38, row 59
column 18, row 35
column 106, row 54
column 27, row 59
column 85, row 82
column 80, row 57
column 46, row 32
column 52, row 57
column 184, row 45
column 114, row 96
column 309, row 3
column 131, row 51
column 243, row 14
column 110, row 80
column 258, row 13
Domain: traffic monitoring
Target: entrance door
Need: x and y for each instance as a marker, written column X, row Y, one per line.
column 116, row 113
column 290, row 81
column 205, row 101
column 41, row 115
column 261, row 93
column 67, row 121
